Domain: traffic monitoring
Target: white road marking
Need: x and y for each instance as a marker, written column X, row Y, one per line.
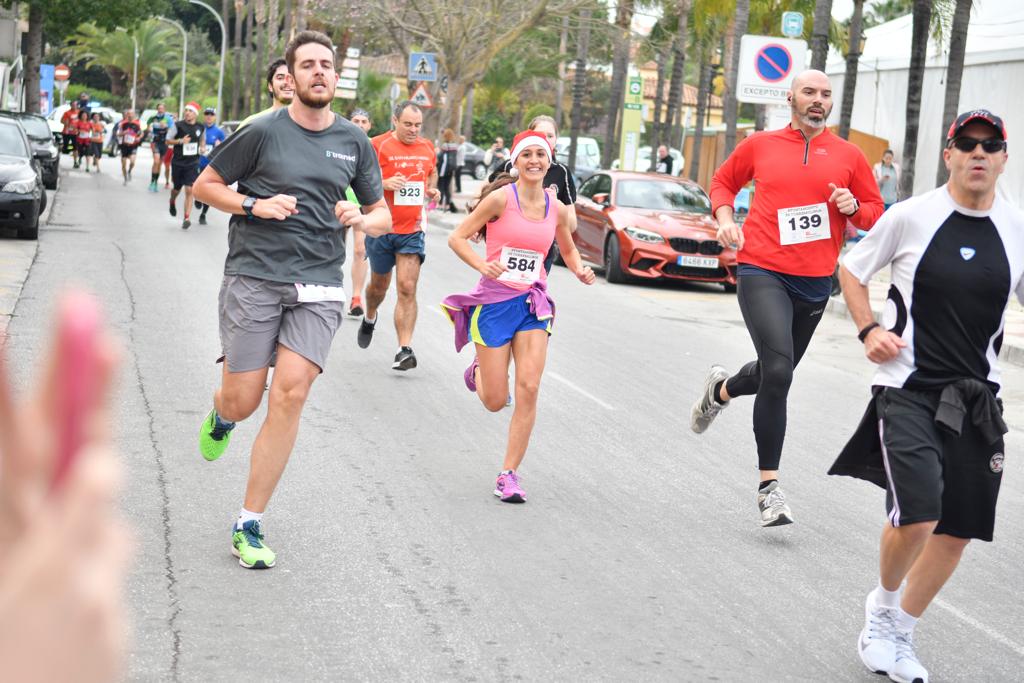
column 990, row 632
column 595, row 399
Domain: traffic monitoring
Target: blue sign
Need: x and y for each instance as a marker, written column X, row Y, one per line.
column 422, row 66
column 773, row 63
column 45, row 88
column 792, row 24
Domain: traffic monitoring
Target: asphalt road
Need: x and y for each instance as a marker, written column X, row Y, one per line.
column 638, row 556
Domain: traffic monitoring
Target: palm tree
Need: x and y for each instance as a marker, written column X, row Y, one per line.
column 918, row 53
column 675, row 84
column 114, row 51
column 620, row 65
column 954, row 74
column 819, row 34
column 709, row 20
column 852, row 60
column 731, row 104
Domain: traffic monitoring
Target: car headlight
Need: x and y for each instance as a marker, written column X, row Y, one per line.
column 643, row 235
column 24, row 186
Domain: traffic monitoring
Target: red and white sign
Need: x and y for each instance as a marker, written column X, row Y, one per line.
column 61, row 72
column 421, row 97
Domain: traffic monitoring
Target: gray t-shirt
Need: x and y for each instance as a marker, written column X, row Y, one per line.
column 274, row 155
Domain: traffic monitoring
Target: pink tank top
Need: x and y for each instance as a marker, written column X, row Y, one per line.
column 521, row 243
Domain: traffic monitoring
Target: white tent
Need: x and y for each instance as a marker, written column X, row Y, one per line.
column 993, row 79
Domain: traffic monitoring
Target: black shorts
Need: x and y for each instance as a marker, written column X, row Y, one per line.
column 83, row 147
column 129, row 150
column 96, row 149
column 160, row 147
column 933, row 474
column 183, row 175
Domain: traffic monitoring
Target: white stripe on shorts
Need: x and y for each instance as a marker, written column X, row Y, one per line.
column 894, row 514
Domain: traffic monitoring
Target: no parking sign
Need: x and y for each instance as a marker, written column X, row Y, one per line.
column 767, row 67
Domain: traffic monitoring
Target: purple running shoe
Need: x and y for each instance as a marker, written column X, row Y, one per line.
column 470, row 374
column 508, row 489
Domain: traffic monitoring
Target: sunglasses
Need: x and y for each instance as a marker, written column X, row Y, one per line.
column 989, row 145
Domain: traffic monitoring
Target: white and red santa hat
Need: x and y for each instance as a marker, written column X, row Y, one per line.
column 194, row 106
column 529, row 138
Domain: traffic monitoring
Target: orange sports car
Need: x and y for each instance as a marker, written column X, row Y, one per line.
column 649, row 225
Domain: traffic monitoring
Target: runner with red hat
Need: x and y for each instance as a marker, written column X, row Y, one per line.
column 509, row 315
column 188, row 140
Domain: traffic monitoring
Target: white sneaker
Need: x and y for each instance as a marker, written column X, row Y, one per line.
column 876, row 646
column 906, row 669
column 706, row 409
column 772, row 504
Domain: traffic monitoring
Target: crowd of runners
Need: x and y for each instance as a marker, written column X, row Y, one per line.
column 297, row 179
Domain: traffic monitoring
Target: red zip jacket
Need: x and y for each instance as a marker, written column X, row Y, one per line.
column 790, row 171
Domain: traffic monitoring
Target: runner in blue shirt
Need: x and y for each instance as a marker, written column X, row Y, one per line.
column 214, row 136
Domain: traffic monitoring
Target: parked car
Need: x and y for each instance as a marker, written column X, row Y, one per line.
column 588, row 156
column 643, row 160
column 474, row 164
column 648, row 226
column 22, row 196
column 43, row 147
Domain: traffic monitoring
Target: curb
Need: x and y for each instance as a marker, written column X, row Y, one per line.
column 1008, row 353
column 11, row 293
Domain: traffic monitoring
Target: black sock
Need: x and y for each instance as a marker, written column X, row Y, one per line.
column 153, row 177
column 718, row 393
column 765, row 484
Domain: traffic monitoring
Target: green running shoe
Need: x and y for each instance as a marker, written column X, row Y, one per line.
column 247, row 546
column 213, row 439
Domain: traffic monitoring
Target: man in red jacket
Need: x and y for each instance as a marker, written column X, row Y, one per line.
column 809, row 183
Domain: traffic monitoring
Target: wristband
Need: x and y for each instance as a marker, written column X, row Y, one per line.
column 863, row 334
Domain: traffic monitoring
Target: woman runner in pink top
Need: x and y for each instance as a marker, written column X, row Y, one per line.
column 509, row 314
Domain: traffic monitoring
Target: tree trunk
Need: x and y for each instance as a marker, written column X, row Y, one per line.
column 261, row 61
column 579, row 85
column 819, row 34
column 467, row 126
column 852, row 60
column 673, row 112
column 236, row 82
column 33, row 55
column 274, row 29
column 563, row 42
column 251, row 70
column 954, row 75
column 703, row 90
column 620, row 67
column 300, row 14
column 731, row 103
column 657, row 129
column 918, row 53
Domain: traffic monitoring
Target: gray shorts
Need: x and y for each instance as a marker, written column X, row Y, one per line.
column 256, row 315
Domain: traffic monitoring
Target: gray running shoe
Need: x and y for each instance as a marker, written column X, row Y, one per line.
column 706, row 409
column 772, row 504
column 405, row 359
column 365, row 335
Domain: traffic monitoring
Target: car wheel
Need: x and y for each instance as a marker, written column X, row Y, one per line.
column 613, row 261
column 729, row 288
column 51, row 184
column 30, row 233
column 480, row 172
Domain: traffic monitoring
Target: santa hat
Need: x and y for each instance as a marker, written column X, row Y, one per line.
column 529, row 138
column 194, row 106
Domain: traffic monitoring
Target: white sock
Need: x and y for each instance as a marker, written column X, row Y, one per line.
column 372, row 321
column 247, row 515
column 905, row 621
column 884, row 598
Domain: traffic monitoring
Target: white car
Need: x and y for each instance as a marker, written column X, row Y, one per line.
column 643, row 160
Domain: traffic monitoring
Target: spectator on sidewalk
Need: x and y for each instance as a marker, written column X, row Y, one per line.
column 460, row 162
column 497, row 155
column 447, row 163
column 887, row 175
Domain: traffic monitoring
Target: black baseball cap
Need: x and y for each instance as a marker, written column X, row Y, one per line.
column 210, row 110
column 983, row 115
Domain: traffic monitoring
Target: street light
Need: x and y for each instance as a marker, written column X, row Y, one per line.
column 184, row 63
column 223, row 50
column 135, row 65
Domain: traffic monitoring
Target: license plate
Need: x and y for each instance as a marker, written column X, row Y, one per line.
column 697, row 261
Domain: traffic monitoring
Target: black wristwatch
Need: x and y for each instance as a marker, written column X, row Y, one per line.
column 247, row 205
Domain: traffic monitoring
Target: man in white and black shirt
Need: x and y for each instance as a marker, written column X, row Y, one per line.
column 933, row 433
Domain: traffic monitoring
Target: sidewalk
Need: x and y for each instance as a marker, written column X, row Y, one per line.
column 16, row 259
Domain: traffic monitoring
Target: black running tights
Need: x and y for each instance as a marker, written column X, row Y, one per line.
column 780, row 326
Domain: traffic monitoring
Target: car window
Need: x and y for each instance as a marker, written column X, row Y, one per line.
column 662, row 195
column 589, row 188
column 36, row 127
column 602, row 184
column 11, row 140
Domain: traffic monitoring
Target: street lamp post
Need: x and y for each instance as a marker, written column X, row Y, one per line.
column 223, row 50
column 184, row 63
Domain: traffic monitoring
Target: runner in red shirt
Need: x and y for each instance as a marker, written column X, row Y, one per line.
column 83, row 138
column 408, row 166
column 97, row 131
column 69, row 120
column 809, row 183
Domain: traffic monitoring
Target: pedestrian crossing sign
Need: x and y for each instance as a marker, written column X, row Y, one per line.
column 421, row 97
column 422, row 66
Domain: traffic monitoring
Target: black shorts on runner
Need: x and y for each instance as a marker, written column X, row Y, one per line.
column 129, row 150
column 83, row 148
column 933, row 474
column 96, row 149
column 184, row 176
column 160, row 146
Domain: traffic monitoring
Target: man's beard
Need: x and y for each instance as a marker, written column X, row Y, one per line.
column 805, row 117
column 282, row 98
column 314, row 101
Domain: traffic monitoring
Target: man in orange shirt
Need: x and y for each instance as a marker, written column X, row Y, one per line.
column 408, row 167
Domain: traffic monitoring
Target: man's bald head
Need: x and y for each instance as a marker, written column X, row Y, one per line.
column 810, row 98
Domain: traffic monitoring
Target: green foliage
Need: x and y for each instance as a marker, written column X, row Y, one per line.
column 62, row 16
column 886, row 10
column 104, row 97
column 534, row 111
column 159, row 52
column 489, row 124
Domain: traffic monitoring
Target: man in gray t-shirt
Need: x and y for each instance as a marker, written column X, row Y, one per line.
column 281, row 300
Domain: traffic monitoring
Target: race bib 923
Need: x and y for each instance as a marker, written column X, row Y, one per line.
column 410, row 194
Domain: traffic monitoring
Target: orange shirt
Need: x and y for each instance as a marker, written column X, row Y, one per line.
column 416, row 162
column 97, row 131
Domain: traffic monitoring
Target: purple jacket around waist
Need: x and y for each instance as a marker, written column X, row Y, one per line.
column 459, row 307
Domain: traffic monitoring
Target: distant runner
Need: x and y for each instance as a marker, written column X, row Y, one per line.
column 214, row 136
column 281, row 88
column 158, row 125
column 361, row 118
column 187, row 139
column 129, row 136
